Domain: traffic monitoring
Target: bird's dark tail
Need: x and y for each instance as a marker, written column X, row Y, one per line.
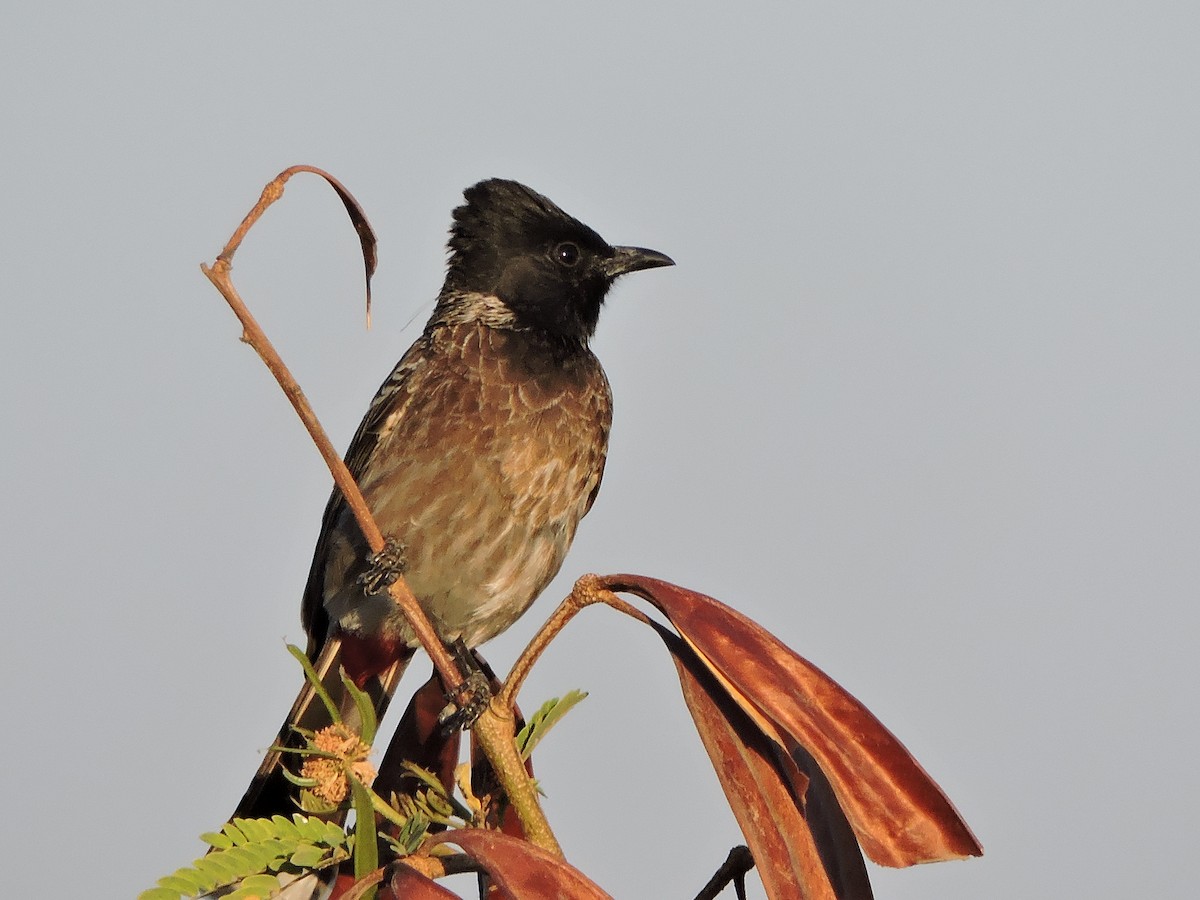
column 270, row 792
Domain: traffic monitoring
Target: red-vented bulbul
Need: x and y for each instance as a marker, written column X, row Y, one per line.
column 478, row 456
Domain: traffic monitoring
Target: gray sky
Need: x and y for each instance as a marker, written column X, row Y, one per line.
column 920, row 397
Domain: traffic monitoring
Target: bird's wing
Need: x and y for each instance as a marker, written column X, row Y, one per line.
column 390, row 402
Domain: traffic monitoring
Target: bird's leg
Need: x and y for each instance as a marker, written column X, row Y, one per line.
column 467, row 703
column 383, row 568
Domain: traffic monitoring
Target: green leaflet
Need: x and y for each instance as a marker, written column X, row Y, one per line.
column 366, row 709
column 547, row 716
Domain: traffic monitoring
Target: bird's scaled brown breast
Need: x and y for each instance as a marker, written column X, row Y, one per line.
column 496, row 441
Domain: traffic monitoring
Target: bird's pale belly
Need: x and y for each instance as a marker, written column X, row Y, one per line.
column 485, row 531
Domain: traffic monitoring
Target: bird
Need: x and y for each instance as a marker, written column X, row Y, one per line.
column 478, row 456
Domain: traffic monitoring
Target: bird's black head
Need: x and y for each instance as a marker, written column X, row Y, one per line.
column 549, row 269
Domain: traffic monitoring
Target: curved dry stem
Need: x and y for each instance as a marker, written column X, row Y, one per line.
column 364, row 884
column 274, row 190
column 252, row 333
column 588, row 589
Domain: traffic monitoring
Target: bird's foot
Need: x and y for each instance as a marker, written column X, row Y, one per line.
column 472, row 697
column 383, row 568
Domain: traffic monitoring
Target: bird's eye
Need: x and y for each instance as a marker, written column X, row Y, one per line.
column 566, row 254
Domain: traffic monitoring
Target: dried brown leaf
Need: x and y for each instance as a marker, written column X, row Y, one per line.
column 358, row 218
column 521, row 871
column 802, row 850
column 899, row 814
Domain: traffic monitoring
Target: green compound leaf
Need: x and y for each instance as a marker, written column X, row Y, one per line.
column 257, row 848
column 547, row 716
column 412, row 834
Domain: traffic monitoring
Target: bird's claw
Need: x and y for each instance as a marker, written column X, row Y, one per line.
column 468, row 703
column 383, row 568
column 471, row 698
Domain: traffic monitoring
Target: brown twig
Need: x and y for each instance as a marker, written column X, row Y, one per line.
column 587, row 590
column 360, row 888
column 252, row 333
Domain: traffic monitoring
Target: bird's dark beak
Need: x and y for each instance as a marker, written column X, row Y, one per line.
column 633, row 259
